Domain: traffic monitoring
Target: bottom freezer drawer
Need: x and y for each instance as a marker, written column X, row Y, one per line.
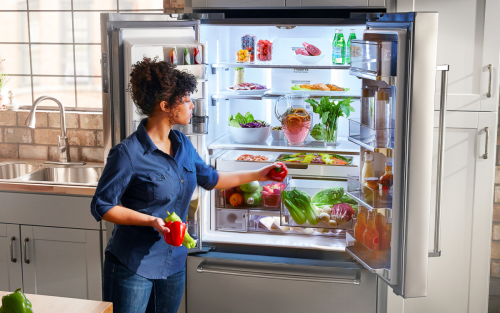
column 215, row 285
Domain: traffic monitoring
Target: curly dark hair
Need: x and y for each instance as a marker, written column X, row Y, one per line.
column 153, row 81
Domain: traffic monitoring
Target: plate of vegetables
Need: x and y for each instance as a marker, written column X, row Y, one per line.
column 315, row 158
column 248, row 89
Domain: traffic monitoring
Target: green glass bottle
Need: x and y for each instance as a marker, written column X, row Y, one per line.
column 333, row 45
column 339, row 48
column 352, row 36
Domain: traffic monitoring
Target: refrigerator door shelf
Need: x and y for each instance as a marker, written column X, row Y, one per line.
column 367, row 197
column 377, row 262
column 377, row 140
column 375, row 60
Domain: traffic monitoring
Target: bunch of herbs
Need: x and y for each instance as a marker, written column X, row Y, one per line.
column 329, row 111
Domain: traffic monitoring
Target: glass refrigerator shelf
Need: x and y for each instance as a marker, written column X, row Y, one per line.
column 272, row 64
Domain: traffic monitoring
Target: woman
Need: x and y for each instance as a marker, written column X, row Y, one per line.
column 154, row 170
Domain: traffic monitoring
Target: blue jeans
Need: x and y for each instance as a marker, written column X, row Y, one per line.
column 131, row 293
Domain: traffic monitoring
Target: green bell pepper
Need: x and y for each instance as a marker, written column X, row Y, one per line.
column 16, row 302
column 188, row 242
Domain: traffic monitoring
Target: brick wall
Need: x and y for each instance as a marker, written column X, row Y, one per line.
column 84, row 133
column 173, row 6
column 494, row 303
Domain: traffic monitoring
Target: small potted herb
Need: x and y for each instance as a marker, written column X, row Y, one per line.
column 329, row 111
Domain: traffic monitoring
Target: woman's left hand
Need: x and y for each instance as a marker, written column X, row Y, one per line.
column 263, row 173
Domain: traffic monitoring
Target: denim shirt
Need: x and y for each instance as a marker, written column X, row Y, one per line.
column 143, row 178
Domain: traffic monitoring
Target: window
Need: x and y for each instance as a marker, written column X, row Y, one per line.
column 52, row 47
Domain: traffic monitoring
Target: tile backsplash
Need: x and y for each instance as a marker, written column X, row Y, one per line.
column 84, row 131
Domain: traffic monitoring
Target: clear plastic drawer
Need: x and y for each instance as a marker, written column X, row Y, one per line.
column 267, row 196
column 337, row 216
column 231, row 220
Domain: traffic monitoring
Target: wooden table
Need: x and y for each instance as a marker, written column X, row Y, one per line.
column 46, row 304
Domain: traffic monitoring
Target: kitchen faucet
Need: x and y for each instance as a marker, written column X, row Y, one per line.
column 62, row 144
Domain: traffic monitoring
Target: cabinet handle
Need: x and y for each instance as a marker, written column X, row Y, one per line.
column 12, row 258
column 487, row 130
column 436, row 252
column 25, row 251
column 490, row 70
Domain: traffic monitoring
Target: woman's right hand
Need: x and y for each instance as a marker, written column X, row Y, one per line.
column 159, row 225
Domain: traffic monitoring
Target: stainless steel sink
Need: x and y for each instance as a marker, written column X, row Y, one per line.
column 68, row 175
column 15, row 170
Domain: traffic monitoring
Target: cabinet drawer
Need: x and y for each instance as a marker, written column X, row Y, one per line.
column 221, row 285
column 228, row 162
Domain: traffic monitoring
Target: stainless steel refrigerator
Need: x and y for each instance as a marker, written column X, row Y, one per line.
column 251, row 258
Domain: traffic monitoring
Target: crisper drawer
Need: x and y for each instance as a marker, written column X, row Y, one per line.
column 220, row 284
column 228, row 162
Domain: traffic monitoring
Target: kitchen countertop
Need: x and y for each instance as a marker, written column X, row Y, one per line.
column 45, row 304
column 46, row 187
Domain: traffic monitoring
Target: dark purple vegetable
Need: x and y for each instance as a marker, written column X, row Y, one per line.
column 254, row 124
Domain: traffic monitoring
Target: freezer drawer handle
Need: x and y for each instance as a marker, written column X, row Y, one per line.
column 436, row 252
column 490, row 70
column 204, row 268
column 12, row 258
column 487, row 131
column 26, row 260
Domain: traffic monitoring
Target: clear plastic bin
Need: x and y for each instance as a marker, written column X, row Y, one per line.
column 225, row 198
column 340, row 217
column 366, row 196
column 231, row 220
column 374, row 58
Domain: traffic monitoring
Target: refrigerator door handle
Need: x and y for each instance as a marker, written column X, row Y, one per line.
column 436, row 252
column 205, row 268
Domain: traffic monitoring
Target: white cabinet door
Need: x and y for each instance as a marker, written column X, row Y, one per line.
column 458, row 279
column 491, row 55
column 61, row 262
column 10, row 258
column 468, row 40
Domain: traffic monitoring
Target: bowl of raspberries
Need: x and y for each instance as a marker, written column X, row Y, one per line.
column 310, row 54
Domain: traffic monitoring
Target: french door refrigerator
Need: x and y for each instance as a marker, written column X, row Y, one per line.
column 391, row 82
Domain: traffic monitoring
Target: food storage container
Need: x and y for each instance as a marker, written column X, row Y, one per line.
column 277, row 135
column 264, row 50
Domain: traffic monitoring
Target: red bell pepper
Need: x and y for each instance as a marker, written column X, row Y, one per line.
column 176, row 234
column 279, row 173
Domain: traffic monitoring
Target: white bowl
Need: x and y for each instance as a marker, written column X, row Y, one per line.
column 309, row 59
column 250, row 135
